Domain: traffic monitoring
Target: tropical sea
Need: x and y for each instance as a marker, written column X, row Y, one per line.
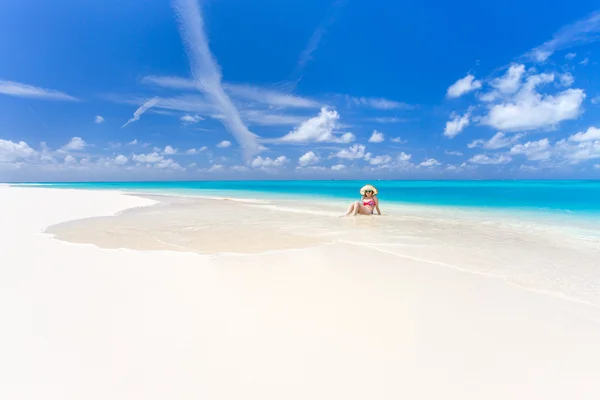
column 560, row 197
column 566, row 204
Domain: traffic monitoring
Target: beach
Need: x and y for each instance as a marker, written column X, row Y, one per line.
column 111, row 295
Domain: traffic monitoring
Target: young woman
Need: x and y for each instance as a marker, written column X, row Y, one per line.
column 368, row 203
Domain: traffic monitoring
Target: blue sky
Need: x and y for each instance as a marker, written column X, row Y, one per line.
column 341, row 89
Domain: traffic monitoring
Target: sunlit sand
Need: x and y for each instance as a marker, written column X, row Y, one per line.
column 218, row 299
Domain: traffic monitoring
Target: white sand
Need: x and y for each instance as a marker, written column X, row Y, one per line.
column 335, row 321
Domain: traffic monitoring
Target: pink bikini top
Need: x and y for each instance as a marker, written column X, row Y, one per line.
column 369, row 203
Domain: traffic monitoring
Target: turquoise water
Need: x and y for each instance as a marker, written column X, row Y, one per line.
column 567, row 197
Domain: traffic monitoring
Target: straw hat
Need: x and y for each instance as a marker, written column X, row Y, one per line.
column 368, row 187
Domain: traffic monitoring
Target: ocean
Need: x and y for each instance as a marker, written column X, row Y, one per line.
column 561, row 197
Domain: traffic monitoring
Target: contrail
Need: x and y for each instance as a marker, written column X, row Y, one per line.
column 316, row 37
column 138, row 113
column 207, row 75
column 37, row 116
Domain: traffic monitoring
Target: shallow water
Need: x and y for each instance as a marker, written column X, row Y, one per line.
column 540, row 257
column 564, row 197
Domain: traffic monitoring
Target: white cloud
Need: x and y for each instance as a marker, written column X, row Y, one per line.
column 582, row 148
column 207, row 74
column 98, row 119
column 258, row 94
column 494, row 160
column 133, row 142
column 191, row 119
column 576, row 153
column 456, row 124
column 33, row 164
column 584, row 61
column 141, row 110
column 596, row 100
column 224, row 144
column 215, row 167
column 239, row 168
column 14, row 151
column 387, row 120
column 498, row 141
column 17, row 89
column 376, row 137
column 524, row 167
column 431, row 162
column 581, row 32
column 347, row 137
column 534, row 150
column 510, row 82
column 566, row 79
column 399, row 140
column 354, row 152
column 267, row 162
column 168, row 163
column 311, row 168
column 597, row 166
column 308, row 158
column 169, row 150
column 70, row 160
column 404, row 157
column 196, row 151
column 75, row 144
column 379, row 103
column 272, row 118
column 453, row 153
column 269, row 96
column 148, row 158
column 186, row 102
column 171, row 82
column 380, row 160
column 160, row 111
column 120, row 159
column 318, row 129
column 592, row 133
column 338, row 167
column 453, row 168
column 570, row 56
column 462, row 86
column 45, row 155
column 529, row 110
column 198, row 104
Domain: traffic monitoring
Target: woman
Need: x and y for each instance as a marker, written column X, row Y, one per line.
column 368, row 203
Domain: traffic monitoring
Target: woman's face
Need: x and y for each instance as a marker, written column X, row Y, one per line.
column 368, row 193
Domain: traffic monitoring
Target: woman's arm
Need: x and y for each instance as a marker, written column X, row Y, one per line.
column 377, row 205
